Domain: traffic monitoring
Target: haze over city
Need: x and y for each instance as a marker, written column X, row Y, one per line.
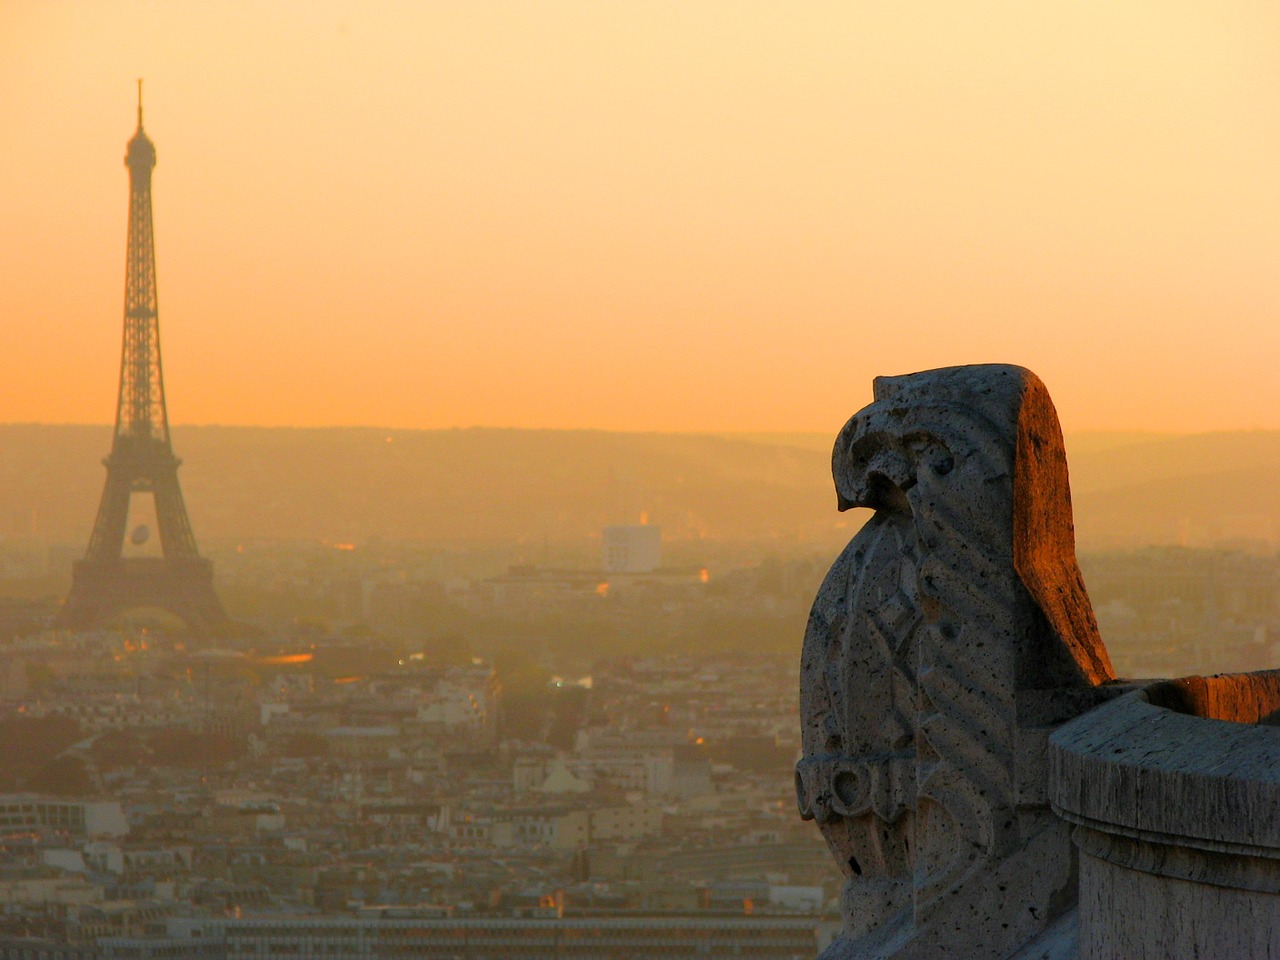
column 660, row 216
column 497, row 591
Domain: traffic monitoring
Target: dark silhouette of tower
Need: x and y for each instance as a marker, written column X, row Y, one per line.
column 142, row 460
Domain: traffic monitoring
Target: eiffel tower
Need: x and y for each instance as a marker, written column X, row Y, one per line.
column 142, row 463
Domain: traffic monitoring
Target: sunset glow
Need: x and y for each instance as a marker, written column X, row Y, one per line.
column 670, row 216
column 285, row 660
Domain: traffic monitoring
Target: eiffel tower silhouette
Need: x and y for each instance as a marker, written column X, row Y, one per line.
column 142, row 462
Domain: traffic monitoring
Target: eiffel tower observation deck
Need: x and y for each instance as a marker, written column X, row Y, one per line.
column 142, row 470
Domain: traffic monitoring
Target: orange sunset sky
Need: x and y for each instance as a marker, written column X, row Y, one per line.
column 650, row 215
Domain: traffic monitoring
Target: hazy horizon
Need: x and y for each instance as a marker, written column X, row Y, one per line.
column 349, row 484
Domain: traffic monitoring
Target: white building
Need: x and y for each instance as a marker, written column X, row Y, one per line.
column 94, row 818
column 460, row 702
column 632, row 549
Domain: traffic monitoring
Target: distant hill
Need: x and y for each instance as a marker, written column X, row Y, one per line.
column 487, row 484
column 1197, row 489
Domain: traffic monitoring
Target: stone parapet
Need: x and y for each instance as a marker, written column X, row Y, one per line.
column 1174, row 791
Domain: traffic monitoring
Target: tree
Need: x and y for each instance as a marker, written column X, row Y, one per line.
column 63, row 776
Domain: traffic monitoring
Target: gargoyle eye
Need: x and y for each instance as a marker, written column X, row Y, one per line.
column 932, row 455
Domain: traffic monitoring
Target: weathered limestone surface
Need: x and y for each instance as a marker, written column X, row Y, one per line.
column 1175, row 791
column 950, row 638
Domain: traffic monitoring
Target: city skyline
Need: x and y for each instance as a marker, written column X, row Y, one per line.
column 658, row 218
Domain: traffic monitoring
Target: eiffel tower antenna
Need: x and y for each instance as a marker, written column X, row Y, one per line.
column 142, row 463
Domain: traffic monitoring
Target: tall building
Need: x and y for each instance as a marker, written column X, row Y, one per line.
column 142, row 471
column 632, row 548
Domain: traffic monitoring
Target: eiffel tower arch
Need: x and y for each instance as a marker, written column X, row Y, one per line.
column 142, row 462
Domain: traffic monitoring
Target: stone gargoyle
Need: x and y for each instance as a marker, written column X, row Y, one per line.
column 949, row 639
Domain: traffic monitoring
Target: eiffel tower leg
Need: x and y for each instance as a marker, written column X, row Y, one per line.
column 88, row 602
column 82, row 608
column 107, row 540
column 171, row 516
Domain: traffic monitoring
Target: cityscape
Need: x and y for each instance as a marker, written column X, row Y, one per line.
column 392, row 758
column 360, row 778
